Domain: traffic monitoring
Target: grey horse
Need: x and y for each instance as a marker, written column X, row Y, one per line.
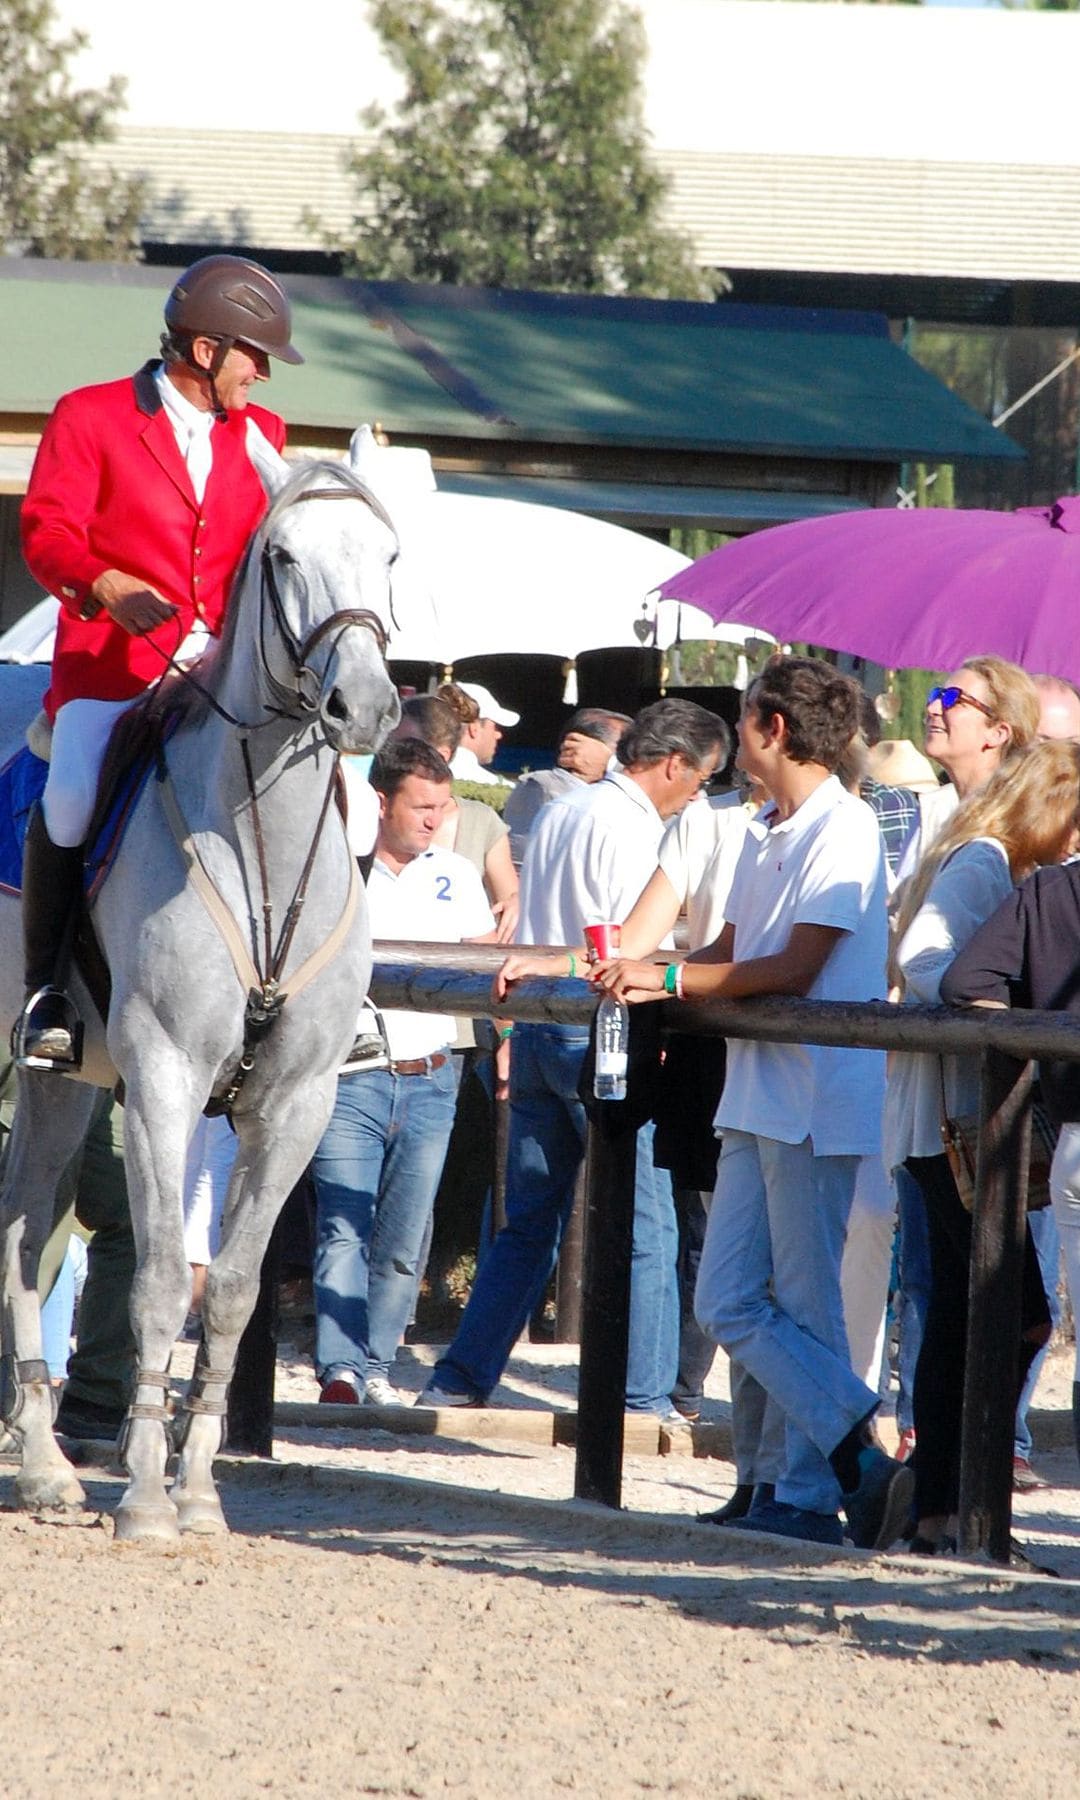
column 189, row 920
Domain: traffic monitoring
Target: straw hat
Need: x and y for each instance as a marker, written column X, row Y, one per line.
column 895, row 762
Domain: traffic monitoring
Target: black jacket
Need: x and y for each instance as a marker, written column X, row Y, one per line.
column 1028, row 954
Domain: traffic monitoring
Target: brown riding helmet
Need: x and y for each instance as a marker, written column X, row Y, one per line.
column 231, row 298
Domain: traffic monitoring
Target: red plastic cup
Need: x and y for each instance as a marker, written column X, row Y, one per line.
column 603, row 941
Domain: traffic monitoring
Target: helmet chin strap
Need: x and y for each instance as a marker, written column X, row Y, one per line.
column 221, row 351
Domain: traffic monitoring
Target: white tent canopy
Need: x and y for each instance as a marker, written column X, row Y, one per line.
column 480, row 577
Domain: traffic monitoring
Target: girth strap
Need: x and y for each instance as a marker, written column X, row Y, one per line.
column 250, row 979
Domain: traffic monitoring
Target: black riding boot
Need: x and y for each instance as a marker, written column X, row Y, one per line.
column 1076, row 1417
column 51, row 885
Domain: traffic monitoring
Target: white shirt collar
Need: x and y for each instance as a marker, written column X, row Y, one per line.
column 815, row 804
column 187, row 420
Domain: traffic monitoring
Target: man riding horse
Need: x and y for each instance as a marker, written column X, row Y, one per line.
column 141, row 503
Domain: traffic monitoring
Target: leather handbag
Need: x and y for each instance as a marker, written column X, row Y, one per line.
column 960, row 1142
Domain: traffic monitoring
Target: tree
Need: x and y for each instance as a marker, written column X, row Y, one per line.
column 51, row 202
column 518, row 154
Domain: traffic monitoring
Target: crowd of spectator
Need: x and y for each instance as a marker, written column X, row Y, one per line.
column 789, row 1199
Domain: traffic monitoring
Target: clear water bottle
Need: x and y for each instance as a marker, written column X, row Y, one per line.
column 612, row 1047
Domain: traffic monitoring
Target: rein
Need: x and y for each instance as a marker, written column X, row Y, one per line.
column 266, row 992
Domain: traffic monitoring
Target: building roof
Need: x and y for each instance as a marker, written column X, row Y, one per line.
column 919, row 140
column 545, row 369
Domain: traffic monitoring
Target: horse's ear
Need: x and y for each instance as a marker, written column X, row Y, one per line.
column 270, row 466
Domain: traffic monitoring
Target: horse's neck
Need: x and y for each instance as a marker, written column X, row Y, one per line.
column 216, row 765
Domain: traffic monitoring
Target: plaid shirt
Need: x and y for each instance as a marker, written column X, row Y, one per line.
column 897, row 812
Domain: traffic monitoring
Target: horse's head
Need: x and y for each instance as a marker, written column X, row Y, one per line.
column 322, row 561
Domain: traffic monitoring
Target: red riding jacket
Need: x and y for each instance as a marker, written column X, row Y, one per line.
column 110, row 490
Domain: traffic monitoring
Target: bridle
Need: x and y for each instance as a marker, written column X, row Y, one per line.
column 300, row 651
column 303, row 698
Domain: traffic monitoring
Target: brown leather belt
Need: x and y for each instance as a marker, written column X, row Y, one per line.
column 420, row 1065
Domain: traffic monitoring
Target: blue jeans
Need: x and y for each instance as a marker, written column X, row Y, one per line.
column 697, row 1352
column 375, row 1173
column 913, row 1296
column 1047, row 1240
column 780, row 1214
column 547, row 1141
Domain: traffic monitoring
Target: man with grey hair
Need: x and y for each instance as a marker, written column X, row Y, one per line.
column 1059, row 707
column 590, row 856
column 586, row 745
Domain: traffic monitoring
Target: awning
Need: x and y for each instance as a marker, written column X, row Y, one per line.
column 655, row 505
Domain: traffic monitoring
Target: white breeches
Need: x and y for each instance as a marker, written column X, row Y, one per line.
column 80, row 736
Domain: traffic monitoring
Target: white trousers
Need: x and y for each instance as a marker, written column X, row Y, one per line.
column 80, row 737
column 864, row 1272
column 210, row 1158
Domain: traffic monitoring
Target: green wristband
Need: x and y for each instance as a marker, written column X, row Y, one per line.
column 573, row 963
column 671, row 978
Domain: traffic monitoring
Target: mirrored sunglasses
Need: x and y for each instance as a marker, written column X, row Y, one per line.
column 956, row 696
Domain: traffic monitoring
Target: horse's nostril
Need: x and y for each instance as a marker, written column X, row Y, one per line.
column 336, row 707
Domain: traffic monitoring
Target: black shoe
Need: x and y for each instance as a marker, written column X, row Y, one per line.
column 88, row 1422
column 735, row 1509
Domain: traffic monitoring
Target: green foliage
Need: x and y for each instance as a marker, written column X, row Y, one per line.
column 51, row 204
column 518, row 154
column 495, row 797
column 912, row 687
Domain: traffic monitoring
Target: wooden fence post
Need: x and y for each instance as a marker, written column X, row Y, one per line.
column 998, row 1228
column 611, row 1165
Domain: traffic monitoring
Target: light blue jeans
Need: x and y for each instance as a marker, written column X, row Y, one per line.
column 375, row 1173
column 547, row 1141
column 780, row 1214
column 1047, row 1240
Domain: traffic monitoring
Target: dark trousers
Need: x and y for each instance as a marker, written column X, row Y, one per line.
column 939, row 1374
column 102, row 1365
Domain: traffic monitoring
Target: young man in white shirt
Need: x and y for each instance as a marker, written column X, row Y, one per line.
column 377, row 1168
column 806, row 916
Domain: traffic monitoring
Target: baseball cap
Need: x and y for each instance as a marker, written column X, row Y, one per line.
column 489, row 706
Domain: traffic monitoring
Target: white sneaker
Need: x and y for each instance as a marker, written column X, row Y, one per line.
column 378, row 1391
column 435, row 1396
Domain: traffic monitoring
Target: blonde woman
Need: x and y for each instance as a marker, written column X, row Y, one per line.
column 1024, row 817
column 985, row 713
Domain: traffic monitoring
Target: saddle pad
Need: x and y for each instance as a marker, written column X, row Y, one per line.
column 22, row 782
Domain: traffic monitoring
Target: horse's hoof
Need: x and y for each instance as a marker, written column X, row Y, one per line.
column 54, row 1491
column 201, row 1517
column 143, row 1523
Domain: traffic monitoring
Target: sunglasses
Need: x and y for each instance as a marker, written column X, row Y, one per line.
column 957, row 696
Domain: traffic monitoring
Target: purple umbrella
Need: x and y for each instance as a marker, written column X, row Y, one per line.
column 908, row 588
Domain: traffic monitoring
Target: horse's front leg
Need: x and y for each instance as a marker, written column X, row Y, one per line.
column 52, row 1117
column 272, row 1154
column 156, row 1133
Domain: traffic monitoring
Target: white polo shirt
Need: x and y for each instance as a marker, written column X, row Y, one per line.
column 437, row 897
column 590, row 854
column 699, row 855
column 823, row 866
